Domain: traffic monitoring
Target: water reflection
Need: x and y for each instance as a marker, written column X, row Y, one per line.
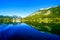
column 53, row 28
column 46, row 27
column 23, row 32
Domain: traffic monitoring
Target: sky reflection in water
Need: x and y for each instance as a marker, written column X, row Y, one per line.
column 23, row 32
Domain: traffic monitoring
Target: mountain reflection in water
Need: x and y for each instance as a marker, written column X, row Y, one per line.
column 24, row 32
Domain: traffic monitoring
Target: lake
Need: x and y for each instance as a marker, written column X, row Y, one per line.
column 24, row 31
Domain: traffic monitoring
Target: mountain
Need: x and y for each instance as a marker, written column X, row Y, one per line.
column 51, row 13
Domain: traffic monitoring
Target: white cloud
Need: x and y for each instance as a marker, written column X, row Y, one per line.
column 48, row 8
column 42, row 9
column 45, row 8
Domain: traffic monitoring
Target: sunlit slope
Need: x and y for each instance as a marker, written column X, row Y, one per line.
column 48, row 12
column 45, row 15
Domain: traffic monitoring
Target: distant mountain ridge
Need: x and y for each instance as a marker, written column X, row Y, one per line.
column 50, row 11
column 51, row 14
column 45, row 20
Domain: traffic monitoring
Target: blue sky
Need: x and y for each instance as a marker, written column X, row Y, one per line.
column 24, row 7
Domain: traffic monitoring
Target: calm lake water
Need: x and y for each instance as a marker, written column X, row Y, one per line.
column 24, row 32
